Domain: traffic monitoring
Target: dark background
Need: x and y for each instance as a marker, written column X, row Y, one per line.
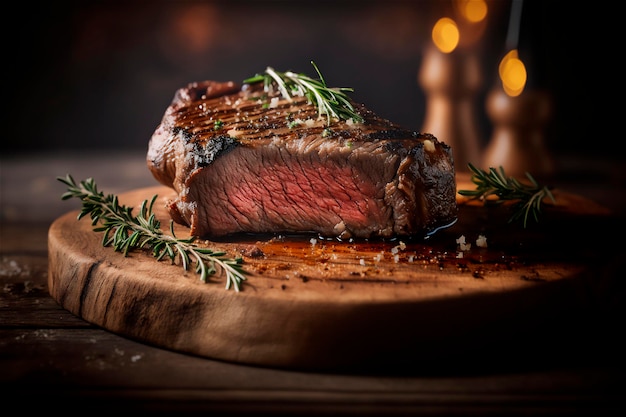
column 98, row 75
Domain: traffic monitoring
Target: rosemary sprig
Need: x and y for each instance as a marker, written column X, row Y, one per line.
column 125, row 232
column 528, row 197
column 332, row 102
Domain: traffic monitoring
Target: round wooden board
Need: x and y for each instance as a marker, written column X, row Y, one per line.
column 325, row 304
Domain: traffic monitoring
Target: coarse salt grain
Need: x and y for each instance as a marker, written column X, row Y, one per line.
column 462, row 245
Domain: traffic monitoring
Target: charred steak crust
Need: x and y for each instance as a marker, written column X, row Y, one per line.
column 242, row 159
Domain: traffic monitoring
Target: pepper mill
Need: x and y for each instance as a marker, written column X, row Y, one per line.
column 518, row 139
column 451, row 82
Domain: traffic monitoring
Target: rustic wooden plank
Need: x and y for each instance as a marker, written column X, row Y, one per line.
column 74, row 367
column 23, row 237
column 25, row 300
column 47, row 357
column 290, row 403
column 46, row 364
column 33, row 312
column 98, row 359
column 318, row 305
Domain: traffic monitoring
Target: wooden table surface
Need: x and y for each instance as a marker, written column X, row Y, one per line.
column 52, row 360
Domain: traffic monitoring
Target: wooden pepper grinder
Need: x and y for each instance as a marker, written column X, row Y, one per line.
column 518, row 139
column 451, row 82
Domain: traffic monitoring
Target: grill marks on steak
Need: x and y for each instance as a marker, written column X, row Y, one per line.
column 243, row 160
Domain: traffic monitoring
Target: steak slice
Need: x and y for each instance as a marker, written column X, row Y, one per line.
column 243, row 159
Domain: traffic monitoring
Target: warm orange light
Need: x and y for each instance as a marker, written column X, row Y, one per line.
column 445, row 35
column 512, row 74
column 194, row 29
column 472, row 10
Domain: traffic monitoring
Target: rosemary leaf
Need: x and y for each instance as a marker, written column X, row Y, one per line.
column 126, row 232
column 527, row 198
column 332, row 102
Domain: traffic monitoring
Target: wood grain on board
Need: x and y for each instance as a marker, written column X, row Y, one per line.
column 310, row 303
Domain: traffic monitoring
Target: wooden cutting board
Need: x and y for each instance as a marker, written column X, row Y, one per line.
column 319, row 304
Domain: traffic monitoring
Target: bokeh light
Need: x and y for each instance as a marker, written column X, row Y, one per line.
column 512, row 74
column 472, row 10
column 445, row 34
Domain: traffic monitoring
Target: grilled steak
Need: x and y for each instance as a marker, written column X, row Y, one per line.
column 243, row 159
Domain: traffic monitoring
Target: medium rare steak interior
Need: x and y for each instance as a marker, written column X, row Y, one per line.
column 244, row 158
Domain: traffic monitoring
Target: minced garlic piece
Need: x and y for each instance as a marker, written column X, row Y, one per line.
column 234, row 133
column 429, row 145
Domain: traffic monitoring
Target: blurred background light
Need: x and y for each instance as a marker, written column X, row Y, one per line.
column 445, row 34
column 512, row 74
column 472, row 10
